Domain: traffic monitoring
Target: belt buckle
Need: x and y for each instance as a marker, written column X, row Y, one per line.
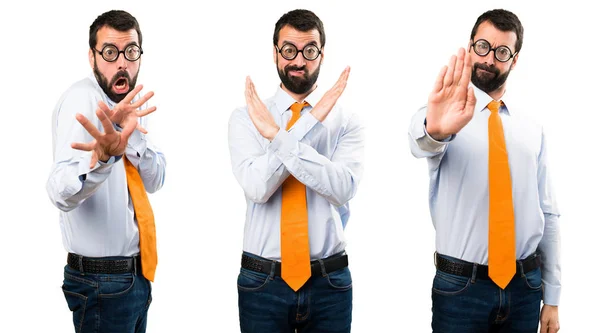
column 435, row 259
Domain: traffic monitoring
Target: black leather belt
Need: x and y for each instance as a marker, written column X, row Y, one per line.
column 331, row 264
column 464, row 268
column 104, row 265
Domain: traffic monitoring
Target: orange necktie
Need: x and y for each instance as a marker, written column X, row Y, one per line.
column 295, row 249
column 501, row 238
column 145, row 219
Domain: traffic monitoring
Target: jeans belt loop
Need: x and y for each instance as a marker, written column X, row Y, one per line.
column 322, row 264
column 521, row 269
column 474, row 273
column 273, row 265
column 135, row 265
column 81, row 265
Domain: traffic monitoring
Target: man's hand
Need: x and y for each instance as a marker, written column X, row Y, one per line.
column 260, row 116
column 549, row 319
column 451, row 103
column 125, row 112
column 105, row 144
column 324, row 106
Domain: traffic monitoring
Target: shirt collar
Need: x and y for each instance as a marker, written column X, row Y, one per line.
column 283, row 100
column 483, row 99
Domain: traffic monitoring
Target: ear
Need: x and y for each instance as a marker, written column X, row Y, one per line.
column 275, row 54
column 514, row 62
column 91, row 58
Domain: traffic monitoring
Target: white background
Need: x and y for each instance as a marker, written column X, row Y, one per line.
column 196, row 59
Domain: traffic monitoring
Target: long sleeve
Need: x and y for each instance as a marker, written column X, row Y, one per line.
column 148, row 159
column 422, row 144
column 257, row 169
column 549, row 246
column 71, row 180
column 334, row 177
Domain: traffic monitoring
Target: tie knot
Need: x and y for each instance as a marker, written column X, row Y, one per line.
column 494, row 106
column 297, row 107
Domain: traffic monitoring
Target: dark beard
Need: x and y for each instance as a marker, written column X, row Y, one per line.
column 106, row 86
column 296, row 84
column 488, row 82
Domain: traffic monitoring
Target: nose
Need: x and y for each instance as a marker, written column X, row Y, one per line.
column 121, row 61
column 299, row 61
column 490, row 58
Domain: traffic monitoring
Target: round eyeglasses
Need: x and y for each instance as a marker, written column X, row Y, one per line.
column 502, row 53
column 290, row 51
column 111, row 53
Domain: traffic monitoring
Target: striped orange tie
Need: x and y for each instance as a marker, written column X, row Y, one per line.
column 501, row 238
column 145, row 219
column 295, row 249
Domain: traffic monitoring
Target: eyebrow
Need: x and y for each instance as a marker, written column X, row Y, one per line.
column 126, row 46
column 312, row 42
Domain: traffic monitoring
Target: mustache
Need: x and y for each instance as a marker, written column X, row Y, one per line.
column 491, row 69
column 289, row 68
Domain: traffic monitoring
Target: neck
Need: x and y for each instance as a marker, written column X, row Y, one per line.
column 299, row 97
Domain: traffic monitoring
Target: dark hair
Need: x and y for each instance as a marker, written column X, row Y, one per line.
column 502, row 20
column 117, row 19
column 302, row 20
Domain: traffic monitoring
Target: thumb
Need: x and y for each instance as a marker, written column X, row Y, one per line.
column 471, row 100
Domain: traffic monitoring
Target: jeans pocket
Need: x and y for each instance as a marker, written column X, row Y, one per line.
column 115, row 285
column 76, row 301
column 149, row 294
column 251, row 281
column 340, row 279
column 448, row 284
column 533, row 279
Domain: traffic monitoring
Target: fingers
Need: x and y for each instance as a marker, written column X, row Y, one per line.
column 466, row 71
column 439, row 81
column 141, row 129
column 460, row 61
column 247, row 91
column 105, row 108
column 341, row 83
column 132, row 94
column 127, row 130
column 106, row 122
column 94, row 159
column 146, row 112
column 143, row 100
column 450, row 72
column 84, row 146
column 253, row 92
column 89, row 127
column 471, row 100
column 544, row 326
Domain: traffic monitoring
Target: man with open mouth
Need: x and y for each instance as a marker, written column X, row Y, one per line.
column 104, row 165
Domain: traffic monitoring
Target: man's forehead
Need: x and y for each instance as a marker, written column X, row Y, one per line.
column 108, row 34
column 290, row 34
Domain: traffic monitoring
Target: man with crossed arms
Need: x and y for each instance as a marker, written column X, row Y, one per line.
column 298, row 156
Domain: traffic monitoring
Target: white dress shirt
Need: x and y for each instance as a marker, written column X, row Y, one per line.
column 458, row 190
column 97, row 217
column 327, row 157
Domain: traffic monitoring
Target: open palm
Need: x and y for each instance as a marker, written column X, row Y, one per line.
column 451, row 103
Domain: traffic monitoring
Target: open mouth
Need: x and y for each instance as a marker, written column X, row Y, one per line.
column 121, row 86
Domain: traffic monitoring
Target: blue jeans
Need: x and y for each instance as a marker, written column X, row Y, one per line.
column 268, row 305
column 107, row 302
column 470, row 305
